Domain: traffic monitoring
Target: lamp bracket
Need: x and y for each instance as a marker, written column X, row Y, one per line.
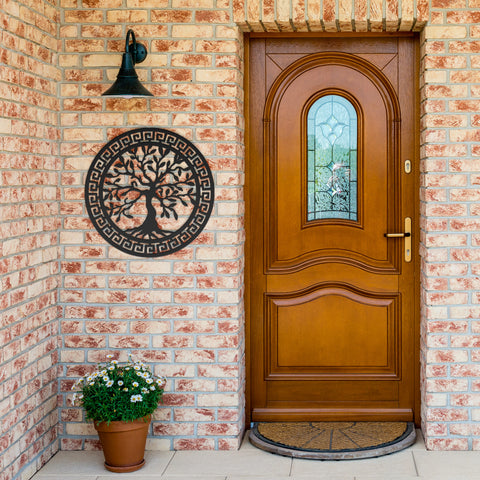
column 137, row 50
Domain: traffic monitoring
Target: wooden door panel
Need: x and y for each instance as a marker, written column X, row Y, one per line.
column 341, row 323
column 303, row 279
column 331, row 300
column 385, row 394
column 349, row 346
column 285, row 179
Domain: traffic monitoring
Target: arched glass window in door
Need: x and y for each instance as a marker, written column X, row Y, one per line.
column 332, row 159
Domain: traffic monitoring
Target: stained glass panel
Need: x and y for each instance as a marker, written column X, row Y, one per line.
column 332, row 159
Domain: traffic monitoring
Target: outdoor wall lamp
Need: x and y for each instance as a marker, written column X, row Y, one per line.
column 127, row 84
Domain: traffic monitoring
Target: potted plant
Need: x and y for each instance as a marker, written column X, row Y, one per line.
column 120, row 399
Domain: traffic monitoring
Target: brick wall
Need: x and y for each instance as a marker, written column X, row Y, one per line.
column 182, row 313
column 450, row 117
column 29, row 208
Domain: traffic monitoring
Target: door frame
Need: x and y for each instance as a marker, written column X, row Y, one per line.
column 248, row 206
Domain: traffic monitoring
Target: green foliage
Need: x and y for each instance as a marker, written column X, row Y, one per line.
column 119, row 392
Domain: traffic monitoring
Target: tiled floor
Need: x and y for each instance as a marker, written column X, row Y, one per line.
column 250, row 463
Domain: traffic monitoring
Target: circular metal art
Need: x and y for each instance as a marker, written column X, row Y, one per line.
column 149, row 192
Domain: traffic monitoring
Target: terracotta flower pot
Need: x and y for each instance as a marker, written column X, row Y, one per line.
column 123, row 444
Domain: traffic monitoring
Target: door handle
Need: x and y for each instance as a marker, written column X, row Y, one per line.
column 407, row 235
column 396, row 235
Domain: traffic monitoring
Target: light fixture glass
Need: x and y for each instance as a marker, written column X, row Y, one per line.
column 127, row 84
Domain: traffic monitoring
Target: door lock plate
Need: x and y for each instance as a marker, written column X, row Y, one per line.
column 408, row 166
column 408, row 239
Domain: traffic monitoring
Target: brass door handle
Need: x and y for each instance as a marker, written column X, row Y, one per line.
column 407, row 235
column 396, row 235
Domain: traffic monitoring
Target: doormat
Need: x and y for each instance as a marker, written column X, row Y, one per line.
column 333, row 440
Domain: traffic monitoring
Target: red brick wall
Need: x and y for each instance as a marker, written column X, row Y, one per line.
column 182, row 313
column 450, row 117
column 29, row 235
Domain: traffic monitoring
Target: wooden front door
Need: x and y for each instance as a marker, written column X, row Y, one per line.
column 330, row 172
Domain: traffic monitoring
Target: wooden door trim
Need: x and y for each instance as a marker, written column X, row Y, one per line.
column 416, row 220
column 250, row 244
column 331, row 414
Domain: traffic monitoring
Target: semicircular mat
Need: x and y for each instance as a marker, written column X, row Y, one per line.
column 332, row 440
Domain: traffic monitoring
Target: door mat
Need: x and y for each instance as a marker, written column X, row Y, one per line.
column 333, row 440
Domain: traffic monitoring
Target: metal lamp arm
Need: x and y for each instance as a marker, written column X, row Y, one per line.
column 137, row 50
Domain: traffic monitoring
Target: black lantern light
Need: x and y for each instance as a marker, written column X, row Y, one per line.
column 127, row 84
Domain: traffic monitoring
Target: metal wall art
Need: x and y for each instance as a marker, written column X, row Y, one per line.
column 149, row 192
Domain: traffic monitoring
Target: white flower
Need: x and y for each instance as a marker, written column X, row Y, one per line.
column 152, row 388
column 144, row 390
column 89, row 378
column 74, row 398
column 77, row 383
column 136, row 367
column 111, row 367
column 136, row 398
column 92, row 383
column 109, row 356
column 109, row 383
column 149, row 380
column 135, row 384
column 125, row 389
column 103, row 372
column 106, row 379
column 114, row 362
column 120, row 382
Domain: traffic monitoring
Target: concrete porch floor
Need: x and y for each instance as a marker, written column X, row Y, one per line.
column 249, row 463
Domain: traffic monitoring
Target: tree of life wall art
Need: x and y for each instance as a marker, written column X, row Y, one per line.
column 149, row 192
